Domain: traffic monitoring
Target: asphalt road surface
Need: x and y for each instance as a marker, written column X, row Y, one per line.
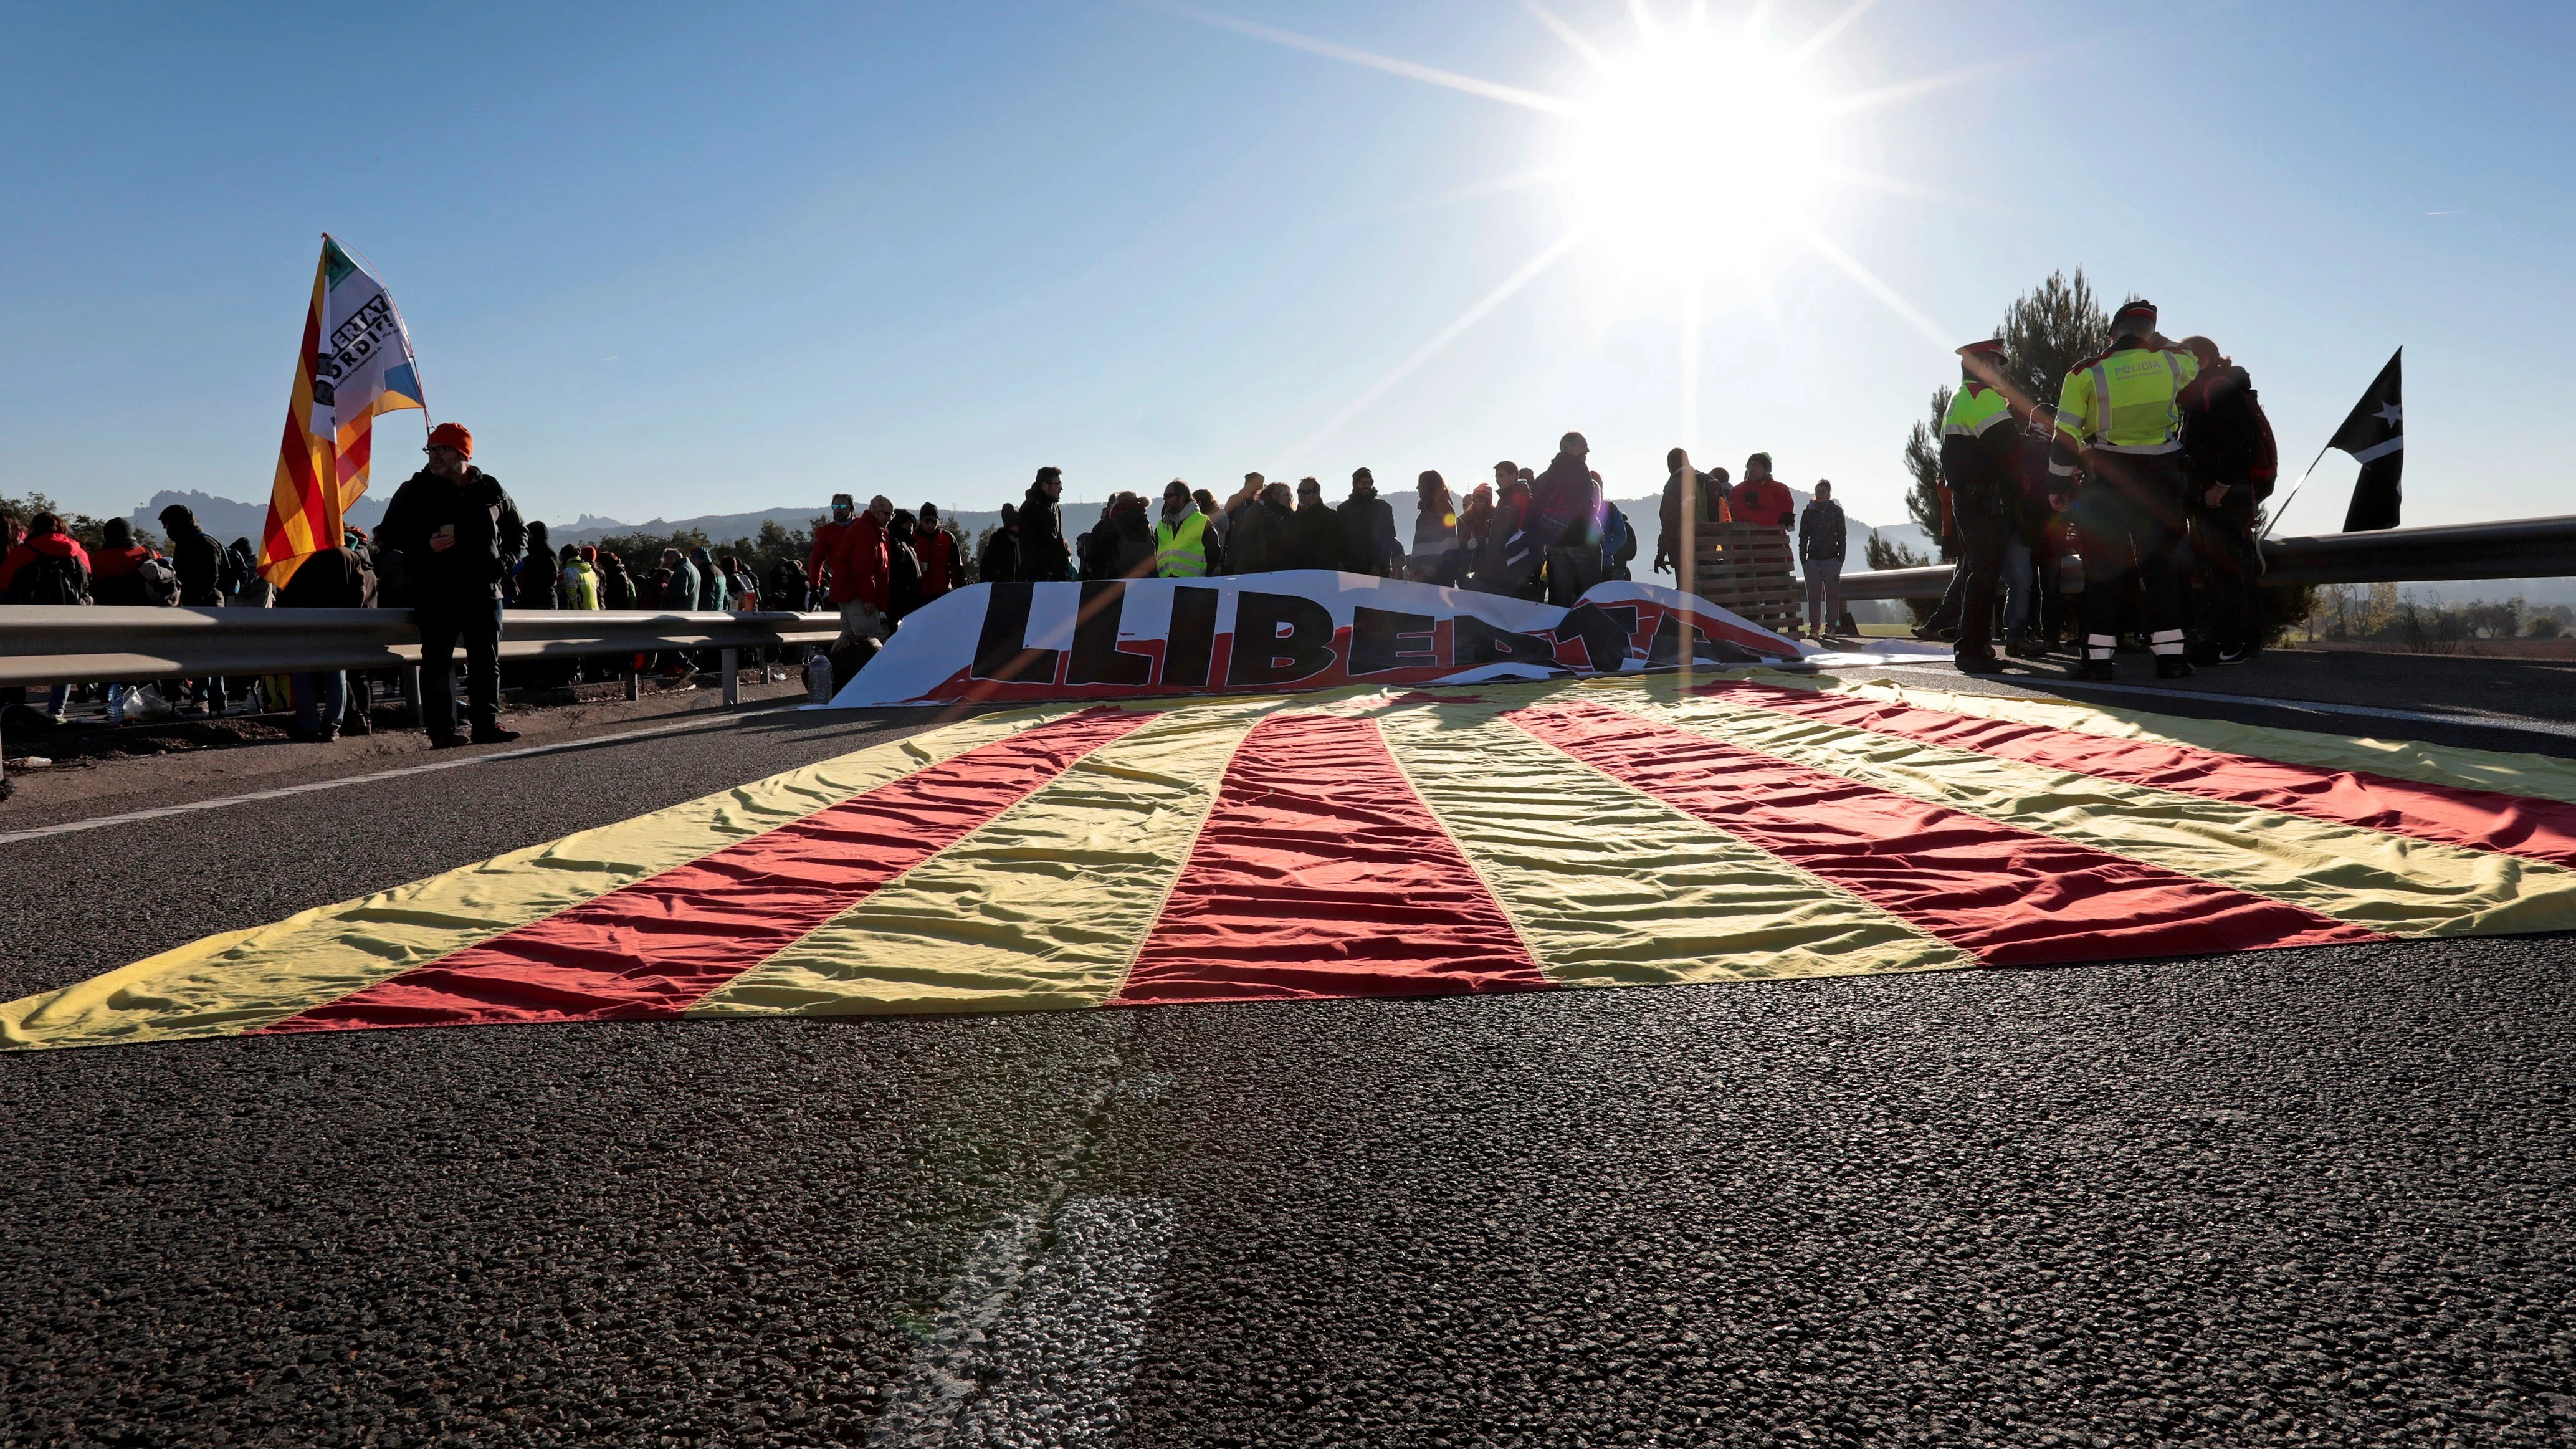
column 2313, row 1196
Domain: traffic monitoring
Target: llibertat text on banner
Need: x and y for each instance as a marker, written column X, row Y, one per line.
column 1300, row 629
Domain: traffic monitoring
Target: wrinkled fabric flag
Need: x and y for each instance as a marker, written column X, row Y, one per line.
column 355, row 363
column 2375, row 435
column 1379, row 841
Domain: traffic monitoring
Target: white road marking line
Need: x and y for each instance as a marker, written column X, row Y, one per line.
column 163, row 812
column 2481, row 721
column 1039, row 1337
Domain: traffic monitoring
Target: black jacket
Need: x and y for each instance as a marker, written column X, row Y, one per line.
column 1314, row 539
column 2226, row 438
column 1822, row 533
column 1132, row 533
column 903, row 577
column 1257, row 540
column 999, row 563
column 333, row 578
column 538, row 581
column 200, row 562
column 489, row 536
column 1680, row 484
column 1043, row 555
column 1095, row 553
column 1565, row 504
column 1368, row 534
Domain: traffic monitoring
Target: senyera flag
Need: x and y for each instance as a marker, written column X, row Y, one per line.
column 355, row 363
column 1631, row 829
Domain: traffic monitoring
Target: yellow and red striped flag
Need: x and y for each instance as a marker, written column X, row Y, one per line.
column 1375, row 841
column 355, row 363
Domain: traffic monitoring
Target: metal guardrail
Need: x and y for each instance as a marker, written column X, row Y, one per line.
column 53, row 645
column 2513, row 549
column 40, row 645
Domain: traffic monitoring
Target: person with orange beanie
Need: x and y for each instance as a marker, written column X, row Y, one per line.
column 458, row 533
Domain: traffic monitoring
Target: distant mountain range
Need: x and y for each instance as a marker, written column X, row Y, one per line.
column 228, row 520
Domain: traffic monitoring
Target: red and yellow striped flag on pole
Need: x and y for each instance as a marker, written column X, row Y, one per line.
column 355, row 363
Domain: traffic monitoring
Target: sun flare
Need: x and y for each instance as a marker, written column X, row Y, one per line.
column 1700, row 157
column 1701, row 151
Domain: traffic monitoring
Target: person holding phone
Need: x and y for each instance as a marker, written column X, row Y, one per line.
column 458, row 533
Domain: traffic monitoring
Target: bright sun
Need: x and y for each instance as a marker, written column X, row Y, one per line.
column 1701, row 155
column 1699, row 152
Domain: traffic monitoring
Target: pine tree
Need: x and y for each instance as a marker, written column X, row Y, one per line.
column 2049, row 329
column 2046, row 331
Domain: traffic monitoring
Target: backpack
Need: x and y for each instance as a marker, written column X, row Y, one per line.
column 156, row 582
column 50, row 580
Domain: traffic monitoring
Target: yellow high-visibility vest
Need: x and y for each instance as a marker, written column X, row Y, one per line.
column 1180, row 550
column 1973, row 410
column 2124, row 402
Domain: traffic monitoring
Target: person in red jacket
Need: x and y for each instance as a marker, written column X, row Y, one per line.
column 1761, row 498
column 943, row 563
column 46, row 566
column 45, row 539
column 859, row 573
column 827, row 542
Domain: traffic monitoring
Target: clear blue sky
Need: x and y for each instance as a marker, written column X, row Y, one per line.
column 674, row 263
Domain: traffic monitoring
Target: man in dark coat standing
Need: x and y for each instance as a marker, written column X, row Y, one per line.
column 200, row 562
column 1043, row 555
column 2231, row 463
column 999, row 562
column 1257, row 543
column 458, row 533
column 197, row 557
column 331, row 578
column 1130, row 551
column 1369, row 544
column 1565, row 521
column 1315, row 534
column 1824, row 540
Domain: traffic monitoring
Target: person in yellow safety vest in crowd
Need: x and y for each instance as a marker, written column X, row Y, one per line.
column 2117, row 417
column 1980, row 445
column 1181, row 537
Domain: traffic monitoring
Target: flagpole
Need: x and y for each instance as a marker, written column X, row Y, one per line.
column 2294, row 493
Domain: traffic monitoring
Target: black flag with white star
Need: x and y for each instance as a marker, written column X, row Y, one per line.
column 2375, row 435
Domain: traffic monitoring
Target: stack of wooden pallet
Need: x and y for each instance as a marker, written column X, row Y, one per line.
column 1748, row 568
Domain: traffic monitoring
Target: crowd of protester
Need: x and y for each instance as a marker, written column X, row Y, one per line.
column 1548, row 534
column 452, row 547
column 42, row 562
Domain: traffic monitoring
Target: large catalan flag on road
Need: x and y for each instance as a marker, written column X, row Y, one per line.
column 354, row 366
column 1390, row 841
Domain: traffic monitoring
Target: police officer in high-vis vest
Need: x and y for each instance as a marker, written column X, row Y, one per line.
column 1980, row 448
column 2117, row 417
column 1181, row 537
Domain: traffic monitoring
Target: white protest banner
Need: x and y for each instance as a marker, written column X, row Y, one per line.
column 1265, row 633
